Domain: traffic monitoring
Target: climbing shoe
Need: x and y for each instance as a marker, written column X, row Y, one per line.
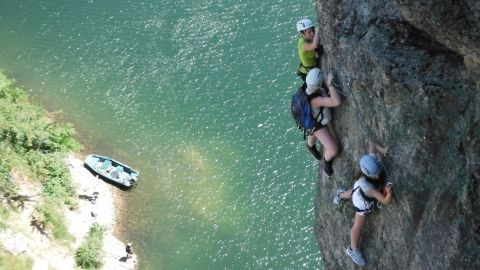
column 356, row 256
column 314, row 151
column 327, row 168
column 337, row 199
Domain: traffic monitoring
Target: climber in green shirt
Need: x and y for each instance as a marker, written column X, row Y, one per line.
column 308, row 46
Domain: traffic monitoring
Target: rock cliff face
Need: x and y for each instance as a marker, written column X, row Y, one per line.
column 410, row 72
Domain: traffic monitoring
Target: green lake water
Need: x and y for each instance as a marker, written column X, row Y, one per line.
column 195, row 95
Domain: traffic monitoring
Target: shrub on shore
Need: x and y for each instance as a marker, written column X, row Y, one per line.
column 89, row 254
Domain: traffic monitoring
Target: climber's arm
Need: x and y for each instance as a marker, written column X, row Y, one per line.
column 379, row 196
column 374, row 148
column 333, row 100
column 313, row 45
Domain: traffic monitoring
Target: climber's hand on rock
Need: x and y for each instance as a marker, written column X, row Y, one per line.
column 375, row 148
column 330, row 79
column 385, row 151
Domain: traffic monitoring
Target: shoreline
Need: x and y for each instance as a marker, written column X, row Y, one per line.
column 21, row 238
column 24, row 236
column 103, row 210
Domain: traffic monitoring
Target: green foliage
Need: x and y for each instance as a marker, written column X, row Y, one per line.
column 8, row 261
column 61, row 137
column 8, row 191
column 54, row 175
column 89, row 254
column 32, row 142
column 51, row 218
column 4, row 213
column 5, row 184
column 27, row 128
column 9, row 91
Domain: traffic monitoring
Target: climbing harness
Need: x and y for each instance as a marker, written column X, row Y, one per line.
column 367, row 201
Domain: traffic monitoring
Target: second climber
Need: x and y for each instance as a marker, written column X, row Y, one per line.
column 321, row 100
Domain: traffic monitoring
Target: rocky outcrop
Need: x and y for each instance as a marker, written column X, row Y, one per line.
column 410, row 72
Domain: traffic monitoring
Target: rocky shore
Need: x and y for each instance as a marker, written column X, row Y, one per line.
column 97, row 204
column 102, row 210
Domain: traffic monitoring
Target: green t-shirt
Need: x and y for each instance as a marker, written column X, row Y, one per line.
column 308, row 58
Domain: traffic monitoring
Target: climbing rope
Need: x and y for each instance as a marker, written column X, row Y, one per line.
column 376, row 139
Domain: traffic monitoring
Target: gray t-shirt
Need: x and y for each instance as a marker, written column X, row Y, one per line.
column 327, row 115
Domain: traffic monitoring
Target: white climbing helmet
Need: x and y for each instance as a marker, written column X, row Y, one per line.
column 370, row 165
column 314, row 80
column 304, row 24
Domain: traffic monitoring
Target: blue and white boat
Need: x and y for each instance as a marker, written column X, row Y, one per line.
column 112, row 170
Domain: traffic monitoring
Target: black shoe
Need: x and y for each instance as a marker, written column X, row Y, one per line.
column 327, row 168
column 314, row 151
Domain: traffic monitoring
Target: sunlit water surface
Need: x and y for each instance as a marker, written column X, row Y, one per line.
column 195, row 95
